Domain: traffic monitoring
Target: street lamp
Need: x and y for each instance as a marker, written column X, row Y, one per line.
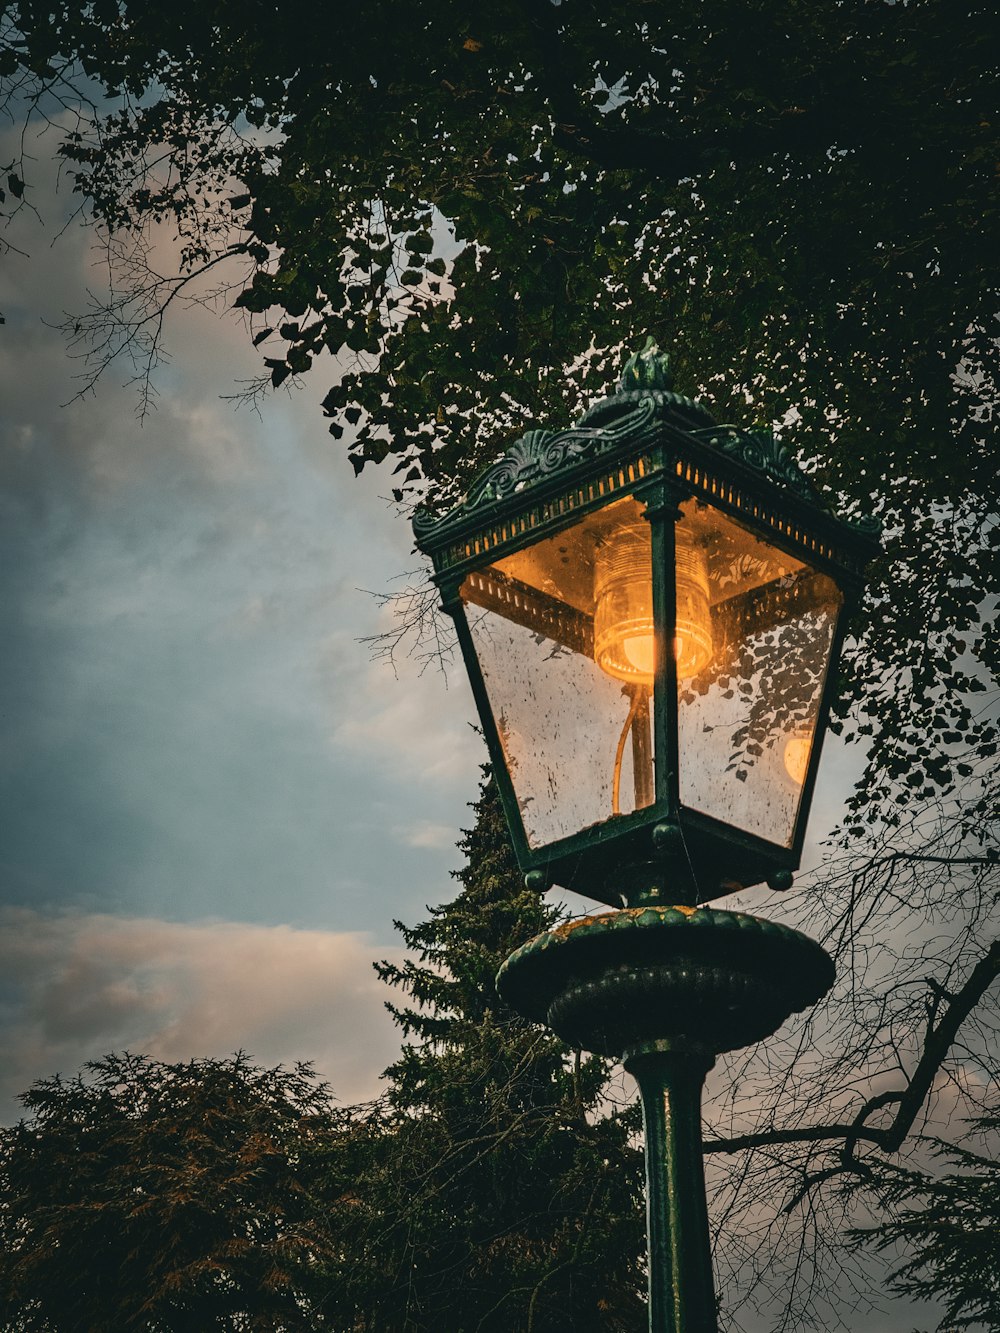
column 650, row 607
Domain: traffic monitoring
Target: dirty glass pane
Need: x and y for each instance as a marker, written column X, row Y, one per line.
column 563, row 633
column 751, row 669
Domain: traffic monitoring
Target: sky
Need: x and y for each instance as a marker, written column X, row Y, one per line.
column 213, row 802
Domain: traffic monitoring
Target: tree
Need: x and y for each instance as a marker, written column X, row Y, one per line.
column 952, row 1236
column 475, row 212
column 800, row 200
column 143, row 1195
column 495, row 1189
column 806, row 1131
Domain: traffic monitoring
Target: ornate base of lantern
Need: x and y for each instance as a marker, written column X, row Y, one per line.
column 667, row 989
column 700, row 976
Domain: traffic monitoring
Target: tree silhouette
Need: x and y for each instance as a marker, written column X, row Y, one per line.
column 501, row 1191
column 474, row 213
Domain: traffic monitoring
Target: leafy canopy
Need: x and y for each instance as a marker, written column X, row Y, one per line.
column 164, row 1197
column 474, row 211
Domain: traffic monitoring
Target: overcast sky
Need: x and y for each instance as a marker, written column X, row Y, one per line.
column 214, row 803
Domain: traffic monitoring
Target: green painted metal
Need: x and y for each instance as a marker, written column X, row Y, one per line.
column 663, row 497
column 640, row 419
column 667, row 989
column 664, row 984
column 702, row 976
column 651, row 443
column 681, row 1287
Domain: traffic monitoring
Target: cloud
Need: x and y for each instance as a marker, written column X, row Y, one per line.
column 425, row 834
column 170, row 589
column 416, row 725
column 79, row 985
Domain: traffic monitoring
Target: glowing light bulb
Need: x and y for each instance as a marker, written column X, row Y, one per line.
column 797, row 750
column 624, row 634
column 640, row 652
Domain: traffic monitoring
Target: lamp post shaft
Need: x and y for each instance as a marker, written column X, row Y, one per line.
column 668, row 989
column 681, row 1288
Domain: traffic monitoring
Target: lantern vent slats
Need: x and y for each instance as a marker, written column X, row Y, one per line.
column 741, row 502
column 567, row 502
column 535, row 610
column 598, row 488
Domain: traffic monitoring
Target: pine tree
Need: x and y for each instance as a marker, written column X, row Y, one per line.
column 495, row 1189
column 950, row 1227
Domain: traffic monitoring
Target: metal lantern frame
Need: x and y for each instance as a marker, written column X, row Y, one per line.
column 663, row 449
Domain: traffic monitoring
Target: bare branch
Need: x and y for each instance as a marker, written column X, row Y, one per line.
column 909, row 1100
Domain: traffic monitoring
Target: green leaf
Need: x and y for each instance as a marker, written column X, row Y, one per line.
column 280, row 371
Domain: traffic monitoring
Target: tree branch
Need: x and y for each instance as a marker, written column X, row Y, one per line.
column 889, row 1139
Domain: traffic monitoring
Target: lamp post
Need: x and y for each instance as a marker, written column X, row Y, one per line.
column 650, row 607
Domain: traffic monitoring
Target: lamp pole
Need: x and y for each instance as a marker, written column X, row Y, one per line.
column 649, row 576
column 681, row 1290
column 665, row 989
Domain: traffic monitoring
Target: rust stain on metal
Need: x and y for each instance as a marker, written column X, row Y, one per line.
column 568, row 927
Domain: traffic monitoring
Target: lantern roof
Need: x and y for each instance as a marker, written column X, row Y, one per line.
column 645, row 422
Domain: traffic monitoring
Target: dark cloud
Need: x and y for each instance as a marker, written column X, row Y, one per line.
column 78, row 985
column 188, row 722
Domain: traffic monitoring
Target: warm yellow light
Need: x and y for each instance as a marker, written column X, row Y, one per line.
column 693, row 637
column 797, row 750
column 624, row 636
column 640, row 652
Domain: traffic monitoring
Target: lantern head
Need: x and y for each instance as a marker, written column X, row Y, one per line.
column 650, row 608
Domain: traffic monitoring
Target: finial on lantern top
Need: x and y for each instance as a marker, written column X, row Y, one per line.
column 648, row 369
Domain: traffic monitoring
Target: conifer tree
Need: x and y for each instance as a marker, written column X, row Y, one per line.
column 948, row 1228
column 496, row 1190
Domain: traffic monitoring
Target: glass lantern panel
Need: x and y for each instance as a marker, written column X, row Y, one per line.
column 754, row 634
column 563, row 631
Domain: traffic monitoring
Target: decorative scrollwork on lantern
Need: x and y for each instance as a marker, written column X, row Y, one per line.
column 537, row 454
column 764, row 452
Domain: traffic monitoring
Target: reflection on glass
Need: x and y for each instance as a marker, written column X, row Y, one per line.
column 797, row 749
column 564, row 635
column 747, row 711
column 693, row 629
column 565, row 639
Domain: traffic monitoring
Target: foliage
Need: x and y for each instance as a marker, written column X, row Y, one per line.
column 474, row 212
column 952, row 1236
column 499, row 1192
column 491, row 1188
column 163, row 1197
